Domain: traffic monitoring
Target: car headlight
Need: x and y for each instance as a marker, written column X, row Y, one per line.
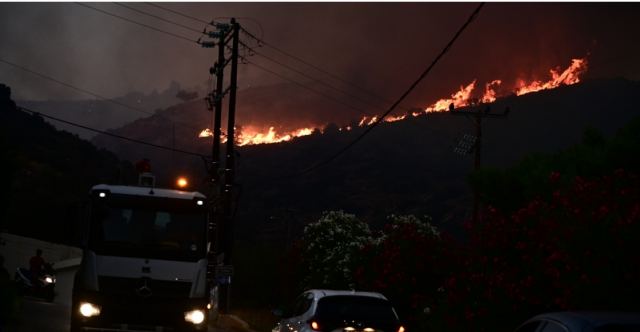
column 194, row 316
column 89, row 310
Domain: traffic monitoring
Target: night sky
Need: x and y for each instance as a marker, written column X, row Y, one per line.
column 379, row 46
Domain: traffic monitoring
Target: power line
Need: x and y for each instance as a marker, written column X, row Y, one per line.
column 251, row 19
column 364, row 101
column 27, row 110
column 335, row 77
column 96, row 95
column 369, row 128
column 158, row 17
column 213, row 22
column 402, row 97
column 179, row 13
column 361, row 111
column 361, row 100
column 138, row 23
column 262, row 41
column 73, row 87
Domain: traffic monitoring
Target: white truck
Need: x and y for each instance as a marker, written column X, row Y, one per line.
column 144, row 261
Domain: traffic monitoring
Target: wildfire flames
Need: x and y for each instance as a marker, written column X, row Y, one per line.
column 465, row 96
column 569, row 76
column 250, row 135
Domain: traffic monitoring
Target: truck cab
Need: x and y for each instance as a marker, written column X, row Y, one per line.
column 144, row 261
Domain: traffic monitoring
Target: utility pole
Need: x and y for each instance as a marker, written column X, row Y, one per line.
column 229, row 171
column 220, row 230
column 478, row 115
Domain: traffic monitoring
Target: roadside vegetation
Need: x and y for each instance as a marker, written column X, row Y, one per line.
column 557, row 232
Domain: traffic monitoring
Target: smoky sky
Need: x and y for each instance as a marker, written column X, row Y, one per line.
column 382, row 47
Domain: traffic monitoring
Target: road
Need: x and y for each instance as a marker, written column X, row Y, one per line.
column 37, row 315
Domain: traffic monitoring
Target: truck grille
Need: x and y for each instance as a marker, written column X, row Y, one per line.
column 144, row 288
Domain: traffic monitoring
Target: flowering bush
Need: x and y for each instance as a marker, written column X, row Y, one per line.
column 330, row 250
column 404, row 264
column 577, row 249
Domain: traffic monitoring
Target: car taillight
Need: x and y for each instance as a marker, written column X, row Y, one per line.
column 315, row 326
column 401, row 328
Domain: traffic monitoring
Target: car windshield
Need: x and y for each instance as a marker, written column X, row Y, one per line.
column 150, row 228
column 347, row 307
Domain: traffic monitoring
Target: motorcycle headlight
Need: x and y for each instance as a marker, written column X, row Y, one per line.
column 48, row 280
column 194, row 316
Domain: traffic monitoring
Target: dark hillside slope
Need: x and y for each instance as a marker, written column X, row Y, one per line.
column 401, row 167
column 48, row 173
column 410, row 166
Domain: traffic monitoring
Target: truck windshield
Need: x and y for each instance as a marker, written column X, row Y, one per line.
column 157, row 228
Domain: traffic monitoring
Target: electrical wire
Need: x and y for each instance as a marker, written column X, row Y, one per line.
column 85, row 91
column 402, row 97
column 158, row 17
column 27, row 110
column 262, row 41
column 334, row 76
column 251, row 50
column 364, row 101
column 139, row 23
column 335, row 100
column 180, row 13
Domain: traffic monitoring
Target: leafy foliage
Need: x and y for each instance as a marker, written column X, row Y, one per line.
column 574, row 251
column 512, row 188
column 559, row 233
column 404, row 264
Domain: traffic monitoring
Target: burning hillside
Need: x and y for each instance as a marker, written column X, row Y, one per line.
column 467, row 95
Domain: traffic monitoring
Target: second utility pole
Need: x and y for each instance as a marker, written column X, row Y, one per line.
column 478, row 115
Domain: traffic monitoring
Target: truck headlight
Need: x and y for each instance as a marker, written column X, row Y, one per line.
column 194, row 316
column 89, row 310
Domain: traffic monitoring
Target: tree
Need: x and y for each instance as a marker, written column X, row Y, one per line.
column 510, row 189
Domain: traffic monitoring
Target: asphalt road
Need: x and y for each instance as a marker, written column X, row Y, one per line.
column 35, row 315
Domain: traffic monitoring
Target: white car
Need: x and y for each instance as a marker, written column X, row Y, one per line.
column 339, row 310
column 578, row 321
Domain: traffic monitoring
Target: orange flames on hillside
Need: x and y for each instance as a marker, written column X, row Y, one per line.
column 251, row 135
column 465, row 96
column 569, row 76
